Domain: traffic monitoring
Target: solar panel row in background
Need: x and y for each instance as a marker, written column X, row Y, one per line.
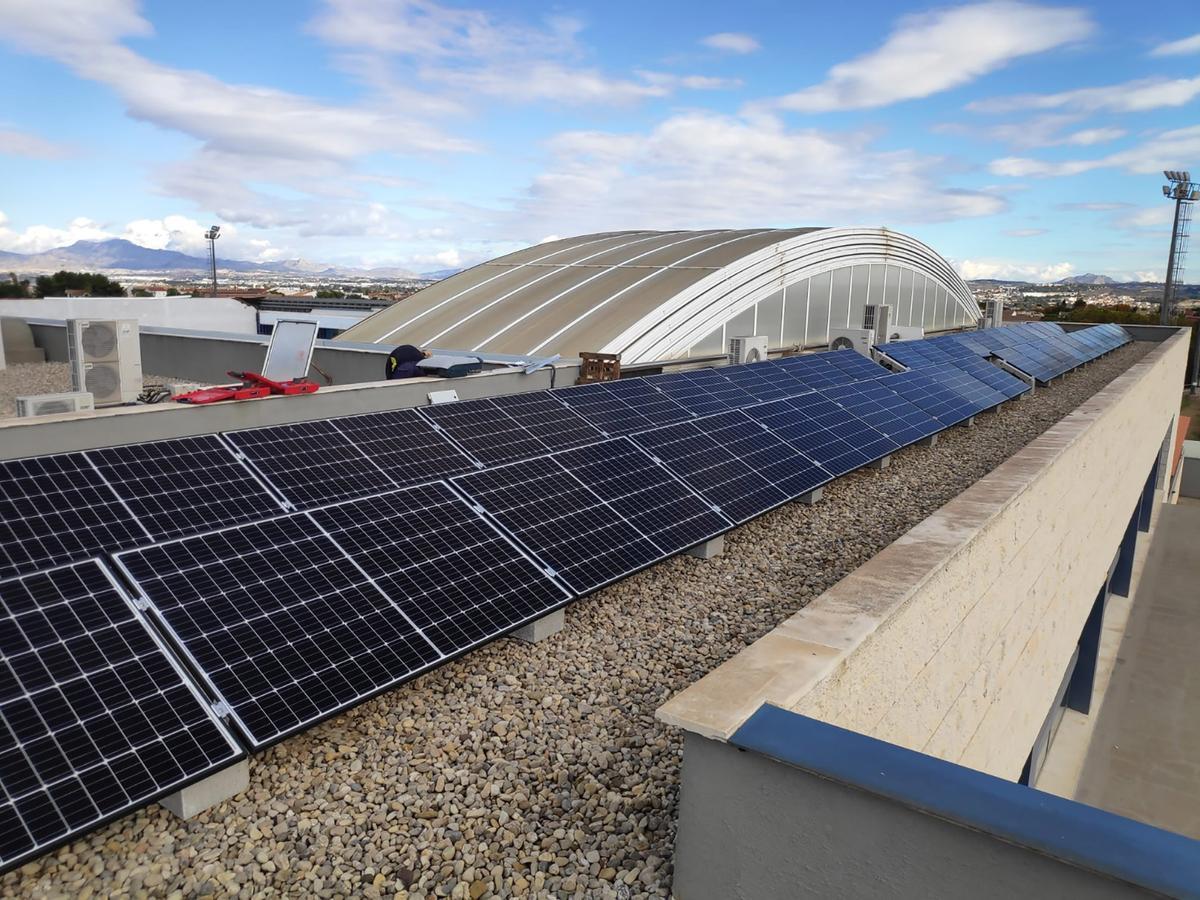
column 295, row 618
column 623, row 406
column 1041, row 349
column 96, row 719
column 595, row 513
column 702, row 391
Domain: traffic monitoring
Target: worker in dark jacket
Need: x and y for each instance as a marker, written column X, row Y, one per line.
column 402, row 362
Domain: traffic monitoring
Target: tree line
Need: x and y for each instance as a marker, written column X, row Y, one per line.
column 59, row 283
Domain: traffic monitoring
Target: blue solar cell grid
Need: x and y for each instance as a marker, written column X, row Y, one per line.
column 702, row 391
column 734, row 463
column 884, row 410
column 623, row 406
column 829, row 435
column 927, row 392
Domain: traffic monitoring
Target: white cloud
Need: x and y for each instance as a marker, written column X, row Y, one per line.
column 1148, row 275
column 1086, row 137
column 22, row 143
column 1158, row 152
column 1025, row 232
column 671, row 82
column 1009, row 270
column 37, row 238
column 1152, row 218
column 731, row 42
column 933, row 52
column 474, row 54
column 1130, row 96
column 1181, row 47
column 702, row 170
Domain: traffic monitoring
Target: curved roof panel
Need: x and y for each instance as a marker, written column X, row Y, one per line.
column 645, row 294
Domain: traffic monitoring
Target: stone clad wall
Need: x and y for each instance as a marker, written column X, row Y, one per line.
column 954, row 639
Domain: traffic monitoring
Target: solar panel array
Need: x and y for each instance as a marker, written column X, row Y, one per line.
column 297, row 570
column 1040, row 349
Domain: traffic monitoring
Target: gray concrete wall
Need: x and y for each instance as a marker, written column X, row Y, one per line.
column 132, row 424
column 752, row 828
column 1189, row 479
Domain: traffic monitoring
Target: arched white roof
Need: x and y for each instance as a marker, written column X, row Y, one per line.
column 647, row 295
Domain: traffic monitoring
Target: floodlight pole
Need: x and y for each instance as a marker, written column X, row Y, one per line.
column 211, row 235
column 1164, row 313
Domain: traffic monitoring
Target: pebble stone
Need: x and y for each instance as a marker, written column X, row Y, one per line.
column 535, row 770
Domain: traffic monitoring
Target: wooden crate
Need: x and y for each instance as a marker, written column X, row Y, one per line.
column 599, row 367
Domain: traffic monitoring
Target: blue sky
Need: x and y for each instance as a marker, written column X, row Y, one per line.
column 1018, row 139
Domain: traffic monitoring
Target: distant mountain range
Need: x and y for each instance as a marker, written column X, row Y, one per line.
column 1089, row 278
column 119, row 255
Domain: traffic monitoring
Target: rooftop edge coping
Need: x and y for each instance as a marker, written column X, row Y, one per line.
column 818, row 640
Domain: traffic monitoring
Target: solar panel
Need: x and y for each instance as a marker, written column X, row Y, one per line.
column 826, row 433
column 701, row 391
column 311, row 463
column 595, row 513
column 811, row 370
column 95, row 717
column 57, row 509
column 623, row 406
column 926, row 392
column 450, row 572
column 884, row 410
column 500, row 429
column 404, row 445
column 184, row 486
column 734, row 463
column 280, row 623
column 762, row 381
column 854, row 364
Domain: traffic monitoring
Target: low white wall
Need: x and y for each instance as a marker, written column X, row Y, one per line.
column 202, row 313
column 954, row 639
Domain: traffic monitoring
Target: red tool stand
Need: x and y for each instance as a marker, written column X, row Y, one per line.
column 253, row 386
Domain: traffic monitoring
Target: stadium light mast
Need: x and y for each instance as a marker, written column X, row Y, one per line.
column 1183, row 191
column 211, row 236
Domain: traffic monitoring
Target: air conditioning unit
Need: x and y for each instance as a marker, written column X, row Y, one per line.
column 105, row 358
column 878, row 318
column 747, row 350
column 994, row 314
column 50, row 404
column 859, row 339
column 907, row 333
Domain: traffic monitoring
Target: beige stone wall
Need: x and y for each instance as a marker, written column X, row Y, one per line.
column 954, row 639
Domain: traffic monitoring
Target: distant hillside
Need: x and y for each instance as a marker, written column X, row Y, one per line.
column 119, row 255
column 439, row 274
column 1087, row 279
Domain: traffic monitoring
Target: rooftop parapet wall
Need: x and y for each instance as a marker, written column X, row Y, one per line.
column 954, row 639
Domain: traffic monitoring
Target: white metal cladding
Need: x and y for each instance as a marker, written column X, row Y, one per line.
column 686, row 319
column 659, row 295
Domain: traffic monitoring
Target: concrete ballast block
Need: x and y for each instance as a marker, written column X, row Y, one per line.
column 540, row 629
column 709, row 548
column 812, row 496
column 881, row 463
column 208, row 792
column 930, row 441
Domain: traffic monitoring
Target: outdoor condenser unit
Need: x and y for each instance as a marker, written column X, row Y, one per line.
column 747, row 350
column 50, row 404
column 105, row 356
column 878, row 317
column 859, row 339
column 994, row 314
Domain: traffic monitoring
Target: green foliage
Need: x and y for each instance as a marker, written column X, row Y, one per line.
column 326, row 294
column 1122, row 314
column 95, row 284
column 140, row 292
column 11, row 287
column 172, row 292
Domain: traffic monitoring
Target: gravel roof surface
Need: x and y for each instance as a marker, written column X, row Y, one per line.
column 537, row 769
column 25, row 379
